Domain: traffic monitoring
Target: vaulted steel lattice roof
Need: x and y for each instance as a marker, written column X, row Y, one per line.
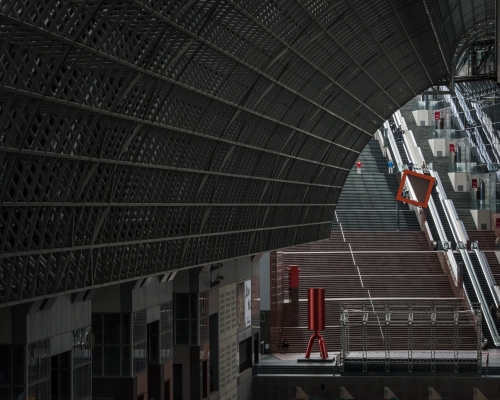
column 138, row 137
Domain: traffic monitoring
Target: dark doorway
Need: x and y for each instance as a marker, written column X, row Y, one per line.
column 167, row 390
column 205, row 379
column 177, row 381
column 60, row 376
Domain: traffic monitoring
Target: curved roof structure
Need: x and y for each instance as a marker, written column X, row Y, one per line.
column 138, row 137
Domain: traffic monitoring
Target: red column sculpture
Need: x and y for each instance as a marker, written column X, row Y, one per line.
column 316, row 306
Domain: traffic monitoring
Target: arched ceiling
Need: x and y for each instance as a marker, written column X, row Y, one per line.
column 138, row 137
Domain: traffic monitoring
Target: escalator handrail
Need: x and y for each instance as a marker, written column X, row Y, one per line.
column 468, row 263
column 480, row 296
column 431, row 205
column 394, row 147
column 449, row 211
column 490, row 279
column 434, row 214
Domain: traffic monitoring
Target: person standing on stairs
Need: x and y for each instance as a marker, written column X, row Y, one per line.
column 497, row 243
column 358, row 166
column 390, row 164
column 285, row 344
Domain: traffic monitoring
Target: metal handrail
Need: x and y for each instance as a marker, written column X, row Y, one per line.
column 394, row 146
column 479, row 294
column 432, row 207
column 490, row 279
column 467, row 261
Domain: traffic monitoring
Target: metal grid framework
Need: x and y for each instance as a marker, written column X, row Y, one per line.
column 356, row 317
column 143, row 136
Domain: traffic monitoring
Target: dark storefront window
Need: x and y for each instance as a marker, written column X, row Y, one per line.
column 39, row 370
column 191, row 318
column 111, row 355
column 245, row 349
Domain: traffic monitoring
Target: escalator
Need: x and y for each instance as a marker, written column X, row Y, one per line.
column 402, row 152
column 486, row 293
column 444, row 220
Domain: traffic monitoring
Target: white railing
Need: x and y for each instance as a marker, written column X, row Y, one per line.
column 450, row 258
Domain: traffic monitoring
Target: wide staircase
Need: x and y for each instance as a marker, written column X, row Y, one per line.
column 366, row 259
column 368, row 200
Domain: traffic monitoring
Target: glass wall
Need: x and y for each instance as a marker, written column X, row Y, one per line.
column 139, row 345
column 111, row 354
column 166, row 329
column 191, row 318
column 38, row 361
column 82, row 358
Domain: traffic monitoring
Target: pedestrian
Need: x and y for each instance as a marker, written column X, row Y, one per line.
column 285, row 344
column 410, row 166
column 493, row 310
column 497, row 243
column 424, row 167
column 358, row 166
column 390, row 164
column 400, row 135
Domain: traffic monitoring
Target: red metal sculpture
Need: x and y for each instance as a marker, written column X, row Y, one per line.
column 316, row 306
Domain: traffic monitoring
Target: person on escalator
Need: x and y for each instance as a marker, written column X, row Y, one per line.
column 497, row 243
column 495, row 312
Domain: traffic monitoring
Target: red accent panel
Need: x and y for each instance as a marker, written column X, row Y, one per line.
column 293, row 271
column 474, row 183
column 316, row 305
column 452, row 147
column 422, row 204
column 437, row 115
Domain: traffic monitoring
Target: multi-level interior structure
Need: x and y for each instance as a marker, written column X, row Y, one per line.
column 163, row 162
